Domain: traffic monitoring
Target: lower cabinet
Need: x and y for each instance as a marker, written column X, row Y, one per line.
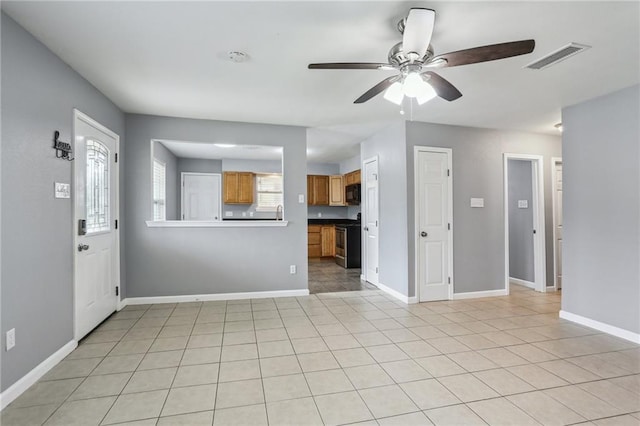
column 321, row 241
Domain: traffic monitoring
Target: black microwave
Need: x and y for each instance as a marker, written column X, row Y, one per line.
column 352, row 194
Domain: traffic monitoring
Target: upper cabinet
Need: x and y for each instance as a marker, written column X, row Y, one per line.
column 238, row 187
column 336, row 191
column 352, row 177
column 318, row 190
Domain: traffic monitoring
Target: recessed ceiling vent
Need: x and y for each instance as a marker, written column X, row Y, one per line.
column 557, row 56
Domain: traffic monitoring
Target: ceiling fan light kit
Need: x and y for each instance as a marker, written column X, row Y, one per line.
column 414, row 56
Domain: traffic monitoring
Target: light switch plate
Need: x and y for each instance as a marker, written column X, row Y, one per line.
column 62, row 190
column 11, row 338
column 301, row 198
column 523, row 204
column 477, row 202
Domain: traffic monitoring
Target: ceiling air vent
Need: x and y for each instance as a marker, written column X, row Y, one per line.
column 557, row 56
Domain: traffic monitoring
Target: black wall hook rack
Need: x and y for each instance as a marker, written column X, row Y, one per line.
column 63, row 149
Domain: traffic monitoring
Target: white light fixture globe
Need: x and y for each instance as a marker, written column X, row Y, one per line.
column 412, row 85
column 426, row 93
column 394, row 93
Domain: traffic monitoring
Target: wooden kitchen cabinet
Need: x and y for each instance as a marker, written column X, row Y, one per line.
column 317, row 190
column 336, row 191
column 328, row 240
column 238, row 187
column 321, row 241
column 352, row 177
column 314, row 241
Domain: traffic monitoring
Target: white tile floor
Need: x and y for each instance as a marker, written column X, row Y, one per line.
column 344, row 358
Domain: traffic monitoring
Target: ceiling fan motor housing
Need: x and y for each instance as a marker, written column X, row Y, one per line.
column 398, row 58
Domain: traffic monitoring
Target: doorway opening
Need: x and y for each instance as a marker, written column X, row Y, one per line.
column 525, row 263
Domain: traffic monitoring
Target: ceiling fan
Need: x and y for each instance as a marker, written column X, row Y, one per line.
column 414, row 57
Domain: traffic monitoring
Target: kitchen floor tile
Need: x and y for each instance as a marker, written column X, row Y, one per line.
column 279, row 366
column 467, row 387
column 235, row 394
column 294, row 412
column 317, row 361
column 368, row 376
column 499, row 411
column 330, row 381
column 136, row 406
column 387, row 401
column 454, row 415
column 429, row 393
column 239, row 370
column 254, row 415
column 504, row 382
column 285, row 387
column 149, row 380
column 405, row 371
column 545, row 409
column 103, row 385
column 201, row 374
column 203, row 418
column 85, row 412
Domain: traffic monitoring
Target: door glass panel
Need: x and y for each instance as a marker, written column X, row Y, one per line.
column 97, row 187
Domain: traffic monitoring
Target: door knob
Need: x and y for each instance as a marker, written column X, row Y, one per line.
column 423, row 234
column 366, row 228
column 82, row 247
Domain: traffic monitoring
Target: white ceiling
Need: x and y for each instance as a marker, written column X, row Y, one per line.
column 209, row 151
column 169, row 58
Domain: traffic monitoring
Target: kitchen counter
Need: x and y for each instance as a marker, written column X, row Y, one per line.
column 333, row 221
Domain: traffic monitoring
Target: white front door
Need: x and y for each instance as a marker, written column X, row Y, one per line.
column 97, row 275
column 432, row 198
column 557, row 193
column 201, row 196
column 371, row 227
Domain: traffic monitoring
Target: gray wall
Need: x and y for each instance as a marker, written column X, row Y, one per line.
column 521, row 263
column 601, row 223
column 350, row 164
column 39, row 92
column 389, row 146
column 172, row 180
column 170, row 261
column 478, row 236
column 193, row 165
column 323, row 169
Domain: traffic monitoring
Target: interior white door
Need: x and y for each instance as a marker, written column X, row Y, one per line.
column 558, row 221
column 433, row 225
column 371, row 228
column 201, row 196
column 96, row 205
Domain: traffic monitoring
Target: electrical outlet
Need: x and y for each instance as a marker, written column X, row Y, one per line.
column 319, row 214
column 251, row 214
column 292, row 269
column 244, row 214
column 228, row 214
column 11, row 338
column 301, row 198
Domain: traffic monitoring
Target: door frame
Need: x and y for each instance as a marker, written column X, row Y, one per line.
column 554, row 206
column 79, row 115
column 539, row 240
column 363, row 195
column 416, row 221
column 183, row 174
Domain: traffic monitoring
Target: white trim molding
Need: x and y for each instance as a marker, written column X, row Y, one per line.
column 601, row 326
column 525, row 283
column 479, row 294
column 18, row 388
column 216, row 224
column 401, row 297
column 212, row 297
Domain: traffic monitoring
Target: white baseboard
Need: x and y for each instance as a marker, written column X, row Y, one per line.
column 600, row 326
column 479, row 294
column 18, row 388
column 362, row 277
column 401, row 297
column 219, row 296
column 121, row 304
column 522, row 282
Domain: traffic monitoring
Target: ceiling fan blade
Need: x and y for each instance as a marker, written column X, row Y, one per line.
column 443, row 88
column 351, row 66
column 417, row 31
column 491, row 52
column 377, row 89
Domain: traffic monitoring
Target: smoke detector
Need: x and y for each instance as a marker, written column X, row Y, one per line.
column 237, row 56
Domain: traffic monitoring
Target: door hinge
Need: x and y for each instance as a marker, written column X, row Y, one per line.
column 449, row 280
column 117, row 291
column 449, row 226
column 448, row 172
column 116, row 157
column 116, row 223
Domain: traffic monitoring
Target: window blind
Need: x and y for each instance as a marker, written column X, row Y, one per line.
column 269, row 192
column 159, row 191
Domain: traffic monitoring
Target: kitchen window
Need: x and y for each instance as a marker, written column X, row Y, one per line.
column 159, row 191
column 269, row 192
